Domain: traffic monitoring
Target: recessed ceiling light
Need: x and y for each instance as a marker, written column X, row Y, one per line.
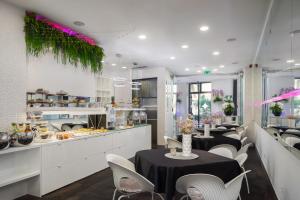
column 297, row 64
column 142, row 37
column 276, row 59
column 204, row 28
column 216, row 53
column 172, row 57
column 231, row 40
column 204, row 68
column 114, row 64
column 124, row 67
column 290, row 61
column 235, row 63
column 102, row 61
column 222, row 66
column 187, row 69
column 215, row 70
column 78, row 23
column 184, row 46
column 199, row 71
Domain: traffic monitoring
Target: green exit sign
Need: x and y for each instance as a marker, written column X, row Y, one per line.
column 206, row 72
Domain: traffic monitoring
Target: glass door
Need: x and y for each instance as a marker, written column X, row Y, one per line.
column 200, row 100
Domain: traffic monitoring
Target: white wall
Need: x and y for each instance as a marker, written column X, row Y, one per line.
column 19, row 73
column 13, row 71
column 281, row 165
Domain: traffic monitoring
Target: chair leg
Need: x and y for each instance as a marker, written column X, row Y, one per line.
column 122, row 196
column 247, row 183
column 160, row 196
column 115, row 192
column 240, row 197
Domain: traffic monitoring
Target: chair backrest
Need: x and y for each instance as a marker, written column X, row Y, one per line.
column 244, row 149
column 120, row 161
column 292, row 140
column 233, row 136
column 228, row 147
column 241, row 158
column 172, row 143
column 120, row 172
column 209, row 187
column 244, row 140
column 222, row 127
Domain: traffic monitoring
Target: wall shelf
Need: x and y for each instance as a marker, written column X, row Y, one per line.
column 19, row 178
column 67, row 110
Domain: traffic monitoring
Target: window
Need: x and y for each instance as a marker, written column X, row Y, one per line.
column 296, row 100
column 200, row 100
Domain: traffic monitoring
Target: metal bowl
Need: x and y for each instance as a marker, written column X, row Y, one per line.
column 22, row 139
column 4, row 140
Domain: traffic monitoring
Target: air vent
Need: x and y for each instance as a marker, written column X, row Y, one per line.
column 276, row 59
column 231, row 40
column 141, row 67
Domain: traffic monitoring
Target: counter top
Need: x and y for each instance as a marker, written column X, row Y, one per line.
column 16, row 149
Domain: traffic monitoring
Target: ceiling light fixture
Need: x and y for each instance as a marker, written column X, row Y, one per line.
column 199, row 71
column 204, row 28
column 204, row 68
column 124, row 67
column 142, row 37
column 216, row 53
column 172, row 58
column 78, row 23
column 187, row 69
column 297, row 64
column 215, row 70
column 114, row 64
column 102, row 61
column 184, row 46
column 222, row 66
column 290, row 61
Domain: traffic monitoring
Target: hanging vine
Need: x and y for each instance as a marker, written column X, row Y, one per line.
column 67, row 45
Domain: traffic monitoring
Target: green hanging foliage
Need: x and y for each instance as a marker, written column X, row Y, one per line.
column 41, row 38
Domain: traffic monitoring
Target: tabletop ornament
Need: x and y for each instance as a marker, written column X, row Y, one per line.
column 186, row 128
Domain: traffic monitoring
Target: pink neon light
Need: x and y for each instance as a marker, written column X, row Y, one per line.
column 281, row 97
column 65, row 29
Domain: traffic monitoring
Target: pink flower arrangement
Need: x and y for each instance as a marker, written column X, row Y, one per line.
column 187, row 126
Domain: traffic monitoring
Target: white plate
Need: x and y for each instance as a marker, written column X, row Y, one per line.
column 179, row 156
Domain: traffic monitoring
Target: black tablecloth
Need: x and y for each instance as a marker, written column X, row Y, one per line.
column 215, row 131
column 163, row 172
column 229, row 126
column 297, row 146
column 283, row 128
column 207, row 143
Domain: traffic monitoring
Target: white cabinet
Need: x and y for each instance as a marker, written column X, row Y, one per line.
column 69, row 161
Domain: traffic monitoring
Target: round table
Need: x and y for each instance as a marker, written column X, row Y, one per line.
column 215, row 130
column 207, row 143
column 163, row 172
column 229, row 126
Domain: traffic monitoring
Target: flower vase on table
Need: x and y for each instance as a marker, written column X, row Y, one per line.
column 186, row 128
column 206, row 130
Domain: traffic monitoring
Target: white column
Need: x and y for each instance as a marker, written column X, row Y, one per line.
column 252, row 95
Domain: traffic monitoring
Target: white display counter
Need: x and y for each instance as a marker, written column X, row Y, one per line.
column 42, row 168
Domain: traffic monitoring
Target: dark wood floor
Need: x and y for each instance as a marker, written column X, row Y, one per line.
column 100, row 186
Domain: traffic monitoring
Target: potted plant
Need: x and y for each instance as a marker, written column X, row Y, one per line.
column 228, row 106
column 186, row 128
column 276, row 108
column 217, row 95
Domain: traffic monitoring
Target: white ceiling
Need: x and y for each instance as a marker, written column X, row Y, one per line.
column 168, row 24
column 278, row 43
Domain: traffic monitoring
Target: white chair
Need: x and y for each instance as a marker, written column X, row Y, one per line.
column 209, row 187
column 126, row 180
column 290, row 139
column 233, row 136
column 225, row 150
column 244, row 140
column 244, row 149
column 222, row 127
column 241, row 158
column 172, row 143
